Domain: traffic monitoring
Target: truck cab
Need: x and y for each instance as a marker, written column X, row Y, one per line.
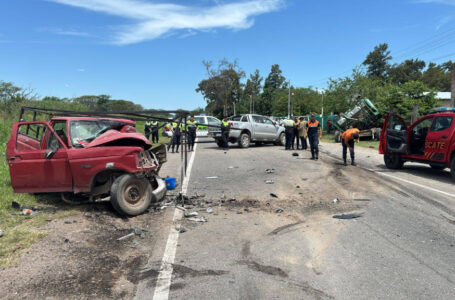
column 429, row 140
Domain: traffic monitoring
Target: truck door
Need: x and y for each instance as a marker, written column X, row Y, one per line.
column 436, row 144
column 394, row 135
column 270, row 130
column 259, row 128
column 37, row 159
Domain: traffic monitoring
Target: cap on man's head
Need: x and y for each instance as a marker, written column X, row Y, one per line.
column 355, row 136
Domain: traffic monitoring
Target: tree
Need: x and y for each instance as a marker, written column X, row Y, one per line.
column 377, row 62
column 223, row 86
column 274, row 82
column 251, row 92
column 11, row 96
column 409, row 70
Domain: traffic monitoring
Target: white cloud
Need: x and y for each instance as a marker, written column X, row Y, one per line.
column 443, row 22
column 446, row 2
column 81, row 70
column 61, row 31
column 153, row 20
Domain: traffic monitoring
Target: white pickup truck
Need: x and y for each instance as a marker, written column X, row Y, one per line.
column 251, row 128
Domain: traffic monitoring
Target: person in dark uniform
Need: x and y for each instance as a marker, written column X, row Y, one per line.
column 154, row 129
column 147, row 128
column 176, row 134
column 348, row 139
column 225, row 128
column 192, row 129
column 289, row 126
column 314, row 134
column 329, row 125
column 296, row 134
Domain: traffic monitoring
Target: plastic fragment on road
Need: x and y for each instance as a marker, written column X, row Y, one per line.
column 269, row 181
column 29, row 212
column 211, row 177
column 131, row 234
column 270, row 171
column 279, row 210
column 347, row 216
column 180, row 229
column 192, row 214
column 2, row 232
column 200, row 220
column 335, row 200
column 209, row 210
column 295, row 154
column 273, row 195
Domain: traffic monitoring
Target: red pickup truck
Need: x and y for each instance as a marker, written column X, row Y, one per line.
column 429, row 140
column 89, row 158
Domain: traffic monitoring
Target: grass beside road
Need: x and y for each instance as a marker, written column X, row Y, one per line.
column 329, row 138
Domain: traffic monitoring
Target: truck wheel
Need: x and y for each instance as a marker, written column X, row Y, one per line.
column 337, row 136
column 393, row 161
column 131, row 195
column 258, row 144
column 244, row 140
column 281, row 140
column 219, row 142
column 452, row 168
column 377, row 134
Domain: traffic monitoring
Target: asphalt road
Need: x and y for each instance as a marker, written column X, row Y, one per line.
column 289, row 246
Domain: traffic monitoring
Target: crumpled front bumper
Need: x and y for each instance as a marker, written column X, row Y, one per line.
column 159, row 193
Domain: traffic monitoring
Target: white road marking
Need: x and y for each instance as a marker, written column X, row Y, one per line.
column 163, row 282
column 413, row 183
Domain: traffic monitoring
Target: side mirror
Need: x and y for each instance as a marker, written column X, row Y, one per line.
column 49, row 153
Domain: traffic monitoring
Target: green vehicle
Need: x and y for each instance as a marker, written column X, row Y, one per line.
column 365, row 116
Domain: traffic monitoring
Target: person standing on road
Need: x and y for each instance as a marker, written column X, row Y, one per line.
column 302, row 130
column 314, row 134
column 296, row 134
column 192, row 130
column 289, row 125
column 176, row 134
column 225, row 128
column 154, row 128
column 348, row 139
column 147, row 128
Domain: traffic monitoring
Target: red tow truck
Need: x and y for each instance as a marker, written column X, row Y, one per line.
column 86, row 158
column 429, row 140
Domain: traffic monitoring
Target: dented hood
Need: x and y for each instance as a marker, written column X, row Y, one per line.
column 117, row 138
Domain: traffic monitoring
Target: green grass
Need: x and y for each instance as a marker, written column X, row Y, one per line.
column 329, row 138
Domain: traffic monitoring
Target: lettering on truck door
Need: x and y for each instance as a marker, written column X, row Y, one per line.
column 438, row 137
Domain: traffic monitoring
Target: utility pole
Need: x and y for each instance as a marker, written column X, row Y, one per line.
column 251, row 103
column 453, row 88
column 234, row 108
column 289, row 100
column 322, row 107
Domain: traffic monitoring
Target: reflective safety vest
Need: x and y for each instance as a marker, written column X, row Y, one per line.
column 148, row 123
column 225, row 123
column 154, row 123
column 289, row 123
column 313, row 124
column 349, row 134
column 192, row 124
column 176, row 126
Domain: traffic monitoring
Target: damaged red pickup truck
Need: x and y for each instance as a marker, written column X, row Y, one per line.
column 87, row 157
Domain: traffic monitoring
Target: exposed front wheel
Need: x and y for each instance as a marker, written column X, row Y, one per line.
column 452, row 167
column 282, row 139
column 131, row 195
column 219, row 142
column 337, row 136
column 437, row 167
column 393, row 161
column 244, row 140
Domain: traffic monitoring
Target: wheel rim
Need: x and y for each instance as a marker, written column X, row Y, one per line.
column 283, row 139
column 245, row 140
column 134, row 193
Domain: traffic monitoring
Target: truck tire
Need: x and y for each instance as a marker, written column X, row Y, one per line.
column 131, row 195
column 337, row 136
column 244, row 140
column 437, row 167
column 219, row 142
column 377, row 134
column 281, row 140
column 452, row 168
column 258, row 144
column 393, row 161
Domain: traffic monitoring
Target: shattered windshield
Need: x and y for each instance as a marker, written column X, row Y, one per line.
column 83, row 132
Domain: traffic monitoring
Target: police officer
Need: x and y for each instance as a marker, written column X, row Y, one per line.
column 314, row 134
column 154, row 129
column 225, row 128
column 176, row 134
column 289, row 125
column 192, row 129
column 347, row 141
column 147, row 128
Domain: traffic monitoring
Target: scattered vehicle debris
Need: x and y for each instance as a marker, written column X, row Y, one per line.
column 269, row 181
column 270, row 171
column 211, row 177
column 209, row 210
column 232, row 200
column 131, row 234
column 279, row 210
column 15, row 205
column 273, row 195
column 192, row 214
column 180, row 229
column 347, row 216
column 295, row 154
column 201, row 219
column 2, row 232
column 233, row 167
column 335, row 200
column 29, row 212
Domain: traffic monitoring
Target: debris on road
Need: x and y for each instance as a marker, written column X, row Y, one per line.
column 131, row 234
column 15, row 205
column 209, row 210
column 295, row 154
column 335, row 200
column 269, row 181
column 232, row 167
column 273, row 195
column 347, row 216
column 29, row 212
column 192, row 214
column 2, row 232
column 211, row 177
column 181, row 208
column 279, row 211
column 270, row 171
column 232, row 200
column 180, row 229
column 200, row 220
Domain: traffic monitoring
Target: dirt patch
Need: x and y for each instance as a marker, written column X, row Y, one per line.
column 81, row 258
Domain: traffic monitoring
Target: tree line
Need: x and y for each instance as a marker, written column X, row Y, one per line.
column 397, row 86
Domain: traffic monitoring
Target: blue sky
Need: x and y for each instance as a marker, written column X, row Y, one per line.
column 150, row 51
